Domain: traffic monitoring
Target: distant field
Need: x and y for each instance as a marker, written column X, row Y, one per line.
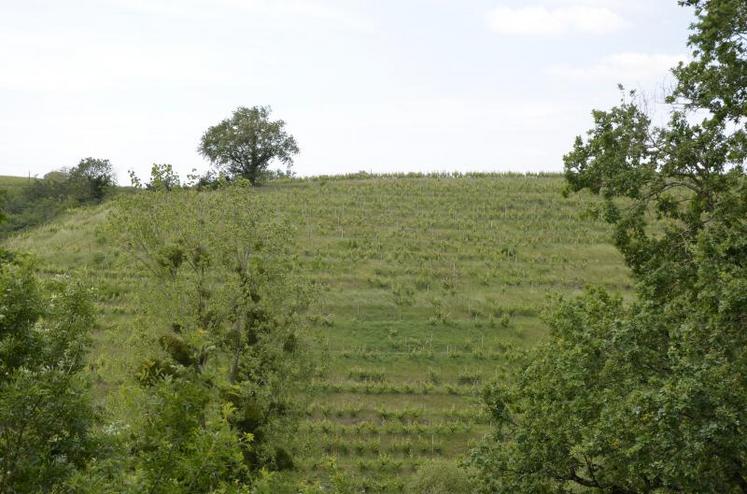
column 427, row 281
column 7, row 182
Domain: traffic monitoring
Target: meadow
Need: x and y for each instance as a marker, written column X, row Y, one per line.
column 424, row 283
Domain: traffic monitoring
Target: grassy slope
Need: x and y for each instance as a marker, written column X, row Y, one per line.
column 479, row 256
column 13, row 183
column 8, row 181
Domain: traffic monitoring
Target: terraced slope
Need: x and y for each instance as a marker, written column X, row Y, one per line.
column 427, row 280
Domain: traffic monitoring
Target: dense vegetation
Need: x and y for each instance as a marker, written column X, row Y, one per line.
column 26, row 203
column 420, row 286
column 46, row 413
column 649, row 396
column 383, row 334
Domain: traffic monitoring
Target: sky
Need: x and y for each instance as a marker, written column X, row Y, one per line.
column 364, row 85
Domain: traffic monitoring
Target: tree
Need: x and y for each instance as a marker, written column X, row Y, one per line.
column 45, row 411
column 244, row 145
column 226, row 310
column 58, row 190
column 648, row 396
column 91, row 178
column 162, row 177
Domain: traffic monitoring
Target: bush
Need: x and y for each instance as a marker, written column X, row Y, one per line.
column 45, row 409
column 441, row 477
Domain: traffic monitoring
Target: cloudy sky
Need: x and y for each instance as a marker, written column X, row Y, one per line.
column 376, row 85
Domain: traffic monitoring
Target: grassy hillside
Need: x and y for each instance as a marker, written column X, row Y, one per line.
column 427, row 281
column 9, row 183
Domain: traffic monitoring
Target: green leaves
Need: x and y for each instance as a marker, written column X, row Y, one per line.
column 225, row 315
column 614, row 161
column 91, row 178
column 45, row 412
column 41, row 199
column 648, row 396
column 717, row 76
column 244, row 145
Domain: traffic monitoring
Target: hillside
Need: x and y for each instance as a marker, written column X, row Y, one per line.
column 11, row 183
column 427, row 281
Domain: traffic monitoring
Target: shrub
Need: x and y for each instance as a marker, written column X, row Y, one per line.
column 441, row 477
column 45, row 410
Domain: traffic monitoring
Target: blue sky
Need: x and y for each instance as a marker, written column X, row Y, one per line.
column 377, row 85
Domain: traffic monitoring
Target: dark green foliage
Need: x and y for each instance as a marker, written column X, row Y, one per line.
column 3, row 198
column 90, row 179
column 649, row 396
column 43, row 199
column 717, row 77
column 45, row 413
column 244, row 145
column 186, row 443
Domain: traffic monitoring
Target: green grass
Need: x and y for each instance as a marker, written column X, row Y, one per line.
column 10, row 183
column 425, row 283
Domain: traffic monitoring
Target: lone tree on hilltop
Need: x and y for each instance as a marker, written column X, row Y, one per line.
column 244, row 145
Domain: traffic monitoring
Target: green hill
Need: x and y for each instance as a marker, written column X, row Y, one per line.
column 427, row 281
column 10, row 183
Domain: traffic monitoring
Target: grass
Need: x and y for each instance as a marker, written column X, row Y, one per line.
column 424, row 283
column 7, row 182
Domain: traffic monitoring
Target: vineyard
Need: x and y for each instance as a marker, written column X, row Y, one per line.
column 423, row 284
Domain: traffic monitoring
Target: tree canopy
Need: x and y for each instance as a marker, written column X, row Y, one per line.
column 245, row 145
column 45, row 410
column 648, row 396
column 44, row 198
column 92, row 177
column 227, row 355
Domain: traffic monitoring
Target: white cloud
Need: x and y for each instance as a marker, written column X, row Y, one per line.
column 626, row 68
column 554, row 21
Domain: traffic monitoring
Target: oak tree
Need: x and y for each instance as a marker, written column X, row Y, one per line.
column 648, row 396
column 244, row 145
